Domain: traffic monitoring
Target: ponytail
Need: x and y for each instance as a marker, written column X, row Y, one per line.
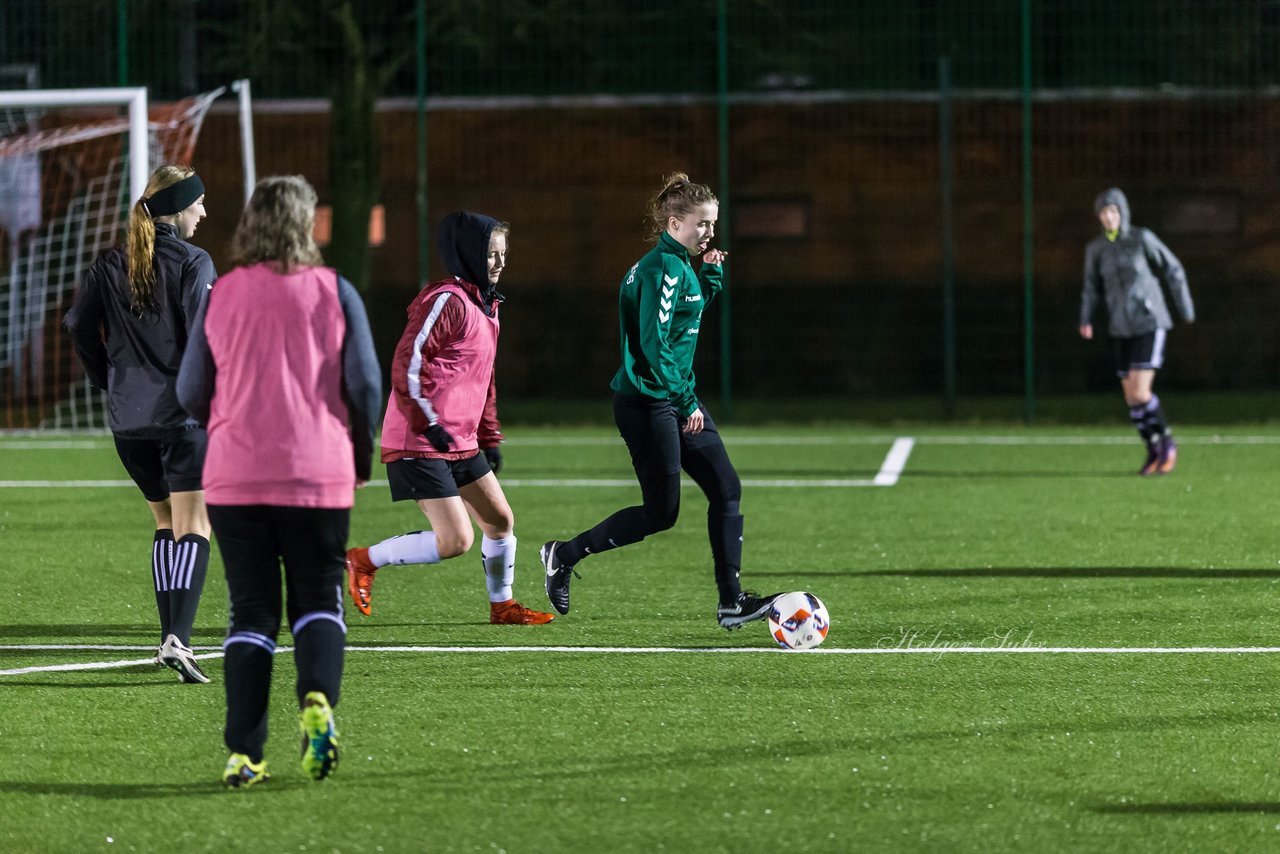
column 140, row 252
column 678, row 197
column 140, row 240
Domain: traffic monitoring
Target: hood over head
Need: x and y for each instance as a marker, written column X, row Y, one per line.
column 463, row 238
column 1113, row 196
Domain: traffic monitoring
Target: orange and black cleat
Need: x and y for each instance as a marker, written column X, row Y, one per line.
column 1149, row 466
column 360, row 572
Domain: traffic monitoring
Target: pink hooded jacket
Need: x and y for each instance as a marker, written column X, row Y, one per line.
column 443, row 369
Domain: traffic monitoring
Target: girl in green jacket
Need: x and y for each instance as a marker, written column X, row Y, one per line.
column 656, row 407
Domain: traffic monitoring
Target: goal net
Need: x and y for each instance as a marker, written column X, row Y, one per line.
column 68, row 176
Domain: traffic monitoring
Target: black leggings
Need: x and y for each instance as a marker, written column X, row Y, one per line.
column 255, row 541
column 659, row 451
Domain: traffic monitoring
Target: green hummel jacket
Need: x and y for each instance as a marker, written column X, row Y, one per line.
column 660, row 306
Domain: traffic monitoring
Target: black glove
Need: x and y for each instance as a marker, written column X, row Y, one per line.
column 494, row 456
column 439, row 437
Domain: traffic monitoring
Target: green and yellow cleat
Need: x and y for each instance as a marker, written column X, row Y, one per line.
column 319, row 738
column 241, row 772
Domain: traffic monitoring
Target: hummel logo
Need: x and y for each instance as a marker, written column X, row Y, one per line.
column 693, row 298
column 670, row 280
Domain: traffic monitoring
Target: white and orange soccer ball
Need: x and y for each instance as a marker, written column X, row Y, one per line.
column 798, row 621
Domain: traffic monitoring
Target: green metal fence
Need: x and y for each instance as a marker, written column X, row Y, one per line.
column 894, row 229
column 558, row 47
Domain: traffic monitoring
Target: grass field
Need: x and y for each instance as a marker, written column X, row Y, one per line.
column 1032, row 650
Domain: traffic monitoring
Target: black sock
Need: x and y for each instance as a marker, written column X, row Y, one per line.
column 627, row 526
column 1138, row 415
column 190, row 565
column 725, row 533
column 1157, row 426
column 319, row 650
column 161, row 561
column 247, row 674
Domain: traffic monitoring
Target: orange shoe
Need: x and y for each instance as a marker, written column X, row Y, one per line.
column 360, row 572
column 1152, row 463
column 1168, row 455
column 512, row 613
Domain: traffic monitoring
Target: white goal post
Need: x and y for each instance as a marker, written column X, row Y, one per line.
column 72, row 162
column 133, row 98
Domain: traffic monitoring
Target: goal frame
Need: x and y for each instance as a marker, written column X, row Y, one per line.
column 134, row 97
column 52, row 242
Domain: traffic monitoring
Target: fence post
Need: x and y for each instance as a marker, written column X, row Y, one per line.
column 420, row 110
column 1028, row 253
column 122, row 43
column 948, row 236
column 722, row 124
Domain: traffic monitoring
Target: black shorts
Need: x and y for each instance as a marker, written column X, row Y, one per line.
column 1141, row 352
column 162, row 466
column 414, row 480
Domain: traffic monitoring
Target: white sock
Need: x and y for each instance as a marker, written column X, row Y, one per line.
column 417, row 547
column 499, row 558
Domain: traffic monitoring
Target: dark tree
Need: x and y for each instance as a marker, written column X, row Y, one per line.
column 372, row 42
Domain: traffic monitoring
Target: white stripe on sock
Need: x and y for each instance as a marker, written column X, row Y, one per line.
column 182, row 565
column 159, row 567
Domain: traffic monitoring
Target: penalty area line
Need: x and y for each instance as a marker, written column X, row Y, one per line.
column 895, row 461
column 655, row 650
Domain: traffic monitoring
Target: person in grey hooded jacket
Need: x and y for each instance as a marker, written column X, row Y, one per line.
column 1126, row 267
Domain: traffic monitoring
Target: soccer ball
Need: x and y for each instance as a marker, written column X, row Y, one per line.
column 798, row 621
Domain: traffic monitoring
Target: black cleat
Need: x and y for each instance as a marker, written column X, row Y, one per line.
column 748, row 607
column 558, row 576
column 177, row 655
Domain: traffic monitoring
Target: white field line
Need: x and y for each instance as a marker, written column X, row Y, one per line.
column 685, row 483
column 894, row 462
column 652, row 650
column 802, row 483
column 888, row 475
column 509, row 483
column 64, row 484
column 1120, row 438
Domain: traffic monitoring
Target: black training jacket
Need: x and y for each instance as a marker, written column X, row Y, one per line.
column 136, row 358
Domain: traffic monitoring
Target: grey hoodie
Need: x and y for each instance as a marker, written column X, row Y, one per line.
column 1127, row 273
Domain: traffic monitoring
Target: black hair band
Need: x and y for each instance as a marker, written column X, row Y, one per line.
column 174, row 198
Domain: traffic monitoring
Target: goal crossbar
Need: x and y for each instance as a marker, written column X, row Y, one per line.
column 72, row 164
column 135, row 98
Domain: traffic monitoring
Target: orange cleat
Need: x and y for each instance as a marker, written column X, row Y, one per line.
column 1152, row 463
column 512, row 613
column 360, row 572
column 1168, row 455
